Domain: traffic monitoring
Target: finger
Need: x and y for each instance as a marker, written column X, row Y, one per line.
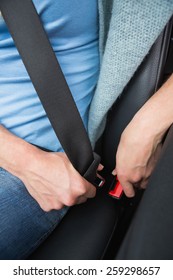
column 100, row 167
column 114, row 172
column 51, row 206
column 90, row 190
column 143, row 184
column 81, row 200
column 99, row 176
column 128, row 189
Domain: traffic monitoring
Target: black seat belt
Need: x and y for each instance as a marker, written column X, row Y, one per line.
column 44, row 70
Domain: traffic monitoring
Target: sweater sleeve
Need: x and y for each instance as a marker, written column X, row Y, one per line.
column 134, row 27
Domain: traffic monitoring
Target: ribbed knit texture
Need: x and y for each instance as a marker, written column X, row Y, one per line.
column 134, row 27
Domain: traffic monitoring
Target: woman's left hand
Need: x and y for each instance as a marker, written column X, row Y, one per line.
column 141, row 141
column 136, row 157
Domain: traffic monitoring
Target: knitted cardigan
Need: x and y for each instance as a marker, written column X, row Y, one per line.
column 128, row 28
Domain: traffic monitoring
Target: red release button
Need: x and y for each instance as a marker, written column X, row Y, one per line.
column 116, row 191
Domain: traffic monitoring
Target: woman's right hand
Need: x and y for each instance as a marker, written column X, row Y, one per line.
column 50, row 178
column 53, row 182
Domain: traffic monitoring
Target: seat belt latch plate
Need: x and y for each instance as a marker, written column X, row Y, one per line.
column 99, row 182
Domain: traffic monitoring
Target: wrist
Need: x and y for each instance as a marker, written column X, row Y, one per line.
column 24, row 157
column 15, row 153
column 150, row 126
column 156, row 116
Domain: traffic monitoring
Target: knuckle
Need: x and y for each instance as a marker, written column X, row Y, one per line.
column 69, row 201
column 136, row 177
column 46, row 208
column 82, row 200
column 52, row 206
column 121, row 176
column 58, row 206
column 93, row 193
column 80, row 188
column 133, row 177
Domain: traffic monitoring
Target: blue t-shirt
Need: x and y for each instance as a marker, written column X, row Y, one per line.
column 72, row 27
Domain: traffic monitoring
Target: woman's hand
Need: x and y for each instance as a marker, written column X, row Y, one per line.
column 50, row 178
column 53, row 182
column 140, row 143
column 136, row 157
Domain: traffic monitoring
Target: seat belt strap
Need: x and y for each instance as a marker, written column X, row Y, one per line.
column 46, row 75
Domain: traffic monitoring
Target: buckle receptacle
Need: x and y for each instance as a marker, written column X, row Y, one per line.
column 116, row 189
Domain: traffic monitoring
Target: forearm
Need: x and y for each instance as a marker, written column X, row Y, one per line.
column 156, row 115
column 15, row 153
column 141, row 141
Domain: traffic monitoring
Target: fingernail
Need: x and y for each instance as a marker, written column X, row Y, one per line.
column 114, row 172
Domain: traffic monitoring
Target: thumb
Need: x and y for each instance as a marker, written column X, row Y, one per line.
column 114, row 172
column 100, row 167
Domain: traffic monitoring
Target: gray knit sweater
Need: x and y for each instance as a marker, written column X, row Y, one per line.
column 128, row 28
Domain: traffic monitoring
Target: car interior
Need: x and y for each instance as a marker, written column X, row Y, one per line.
column 100, row 228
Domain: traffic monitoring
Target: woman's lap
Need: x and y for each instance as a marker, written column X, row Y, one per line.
column 23, row 224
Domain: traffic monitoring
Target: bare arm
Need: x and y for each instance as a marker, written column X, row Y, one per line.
column 140, row 142
column 49, row 177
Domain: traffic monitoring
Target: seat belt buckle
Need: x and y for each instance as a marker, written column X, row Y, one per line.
column 116, row 190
